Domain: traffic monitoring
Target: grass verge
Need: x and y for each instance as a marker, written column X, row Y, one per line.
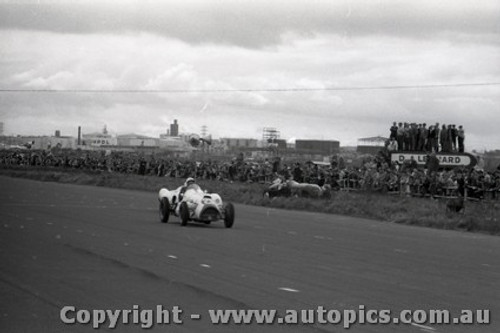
column 478, row 217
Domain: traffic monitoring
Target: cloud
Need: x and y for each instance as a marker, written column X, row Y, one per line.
column 237, row 45
column 255, row 24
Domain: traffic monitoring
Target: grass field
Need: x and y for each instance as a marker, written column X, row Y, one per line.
column 481, row 217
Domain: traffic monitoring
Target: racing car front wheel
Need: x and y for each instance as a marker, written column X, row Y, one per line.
column 164, row 210
column 184, row 213
column 229, row 215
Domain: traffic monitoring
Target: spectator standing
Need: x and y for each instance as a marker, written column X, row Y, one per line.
column 460, row 183
column 443, row 139
column 430, row 143
column 298, row 173
column 400, row 136
column 431, row 138
column 437, row 137
column 454, row 134
column 432, row 163
column 341, row 163
column 413, row 137
column 450, row 145
column 406, row 141
column 394, row 131
column 423, row 137
column 417, row 143
column 276, row 165
column 334, row 162
column 461, row 138
column 413, row 164
column 393, row 145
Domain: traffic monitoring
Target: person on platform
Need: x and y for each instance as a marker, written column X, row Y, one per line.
column 461, row 138
column 406, row 140
column 444, row 139
column 393, row 131
column 453, row 136
column 437, row 137
column 450, row 146
column 423, row 137
column 413, row 137
column 400, row 136
column 431, row 139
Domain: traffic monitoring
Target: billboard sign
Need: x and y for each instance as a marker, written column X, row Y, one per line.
column 445, row 159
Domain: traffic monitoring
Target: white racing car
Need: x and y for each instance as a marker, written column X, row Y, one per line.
column 191, row 203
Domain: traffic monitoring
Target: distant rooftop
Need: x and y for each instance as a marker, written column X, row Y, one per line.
column 133, row 136
column 374, row 139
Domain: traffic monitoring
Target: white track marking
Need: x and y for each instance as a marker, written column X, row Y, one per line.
column 172, row 256
column 289, row 290
column 205, row 265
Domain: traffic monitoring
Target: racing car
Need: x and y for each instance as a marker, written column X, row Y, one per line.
column 191, row 203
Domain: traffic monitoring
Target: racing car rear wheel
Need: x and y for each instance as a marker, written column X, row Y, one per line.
column 229, row 215
column 184, row 213
column 164, row 210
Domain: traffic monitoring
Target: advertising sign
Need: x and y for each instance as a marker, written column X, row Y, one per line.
column 445, row 159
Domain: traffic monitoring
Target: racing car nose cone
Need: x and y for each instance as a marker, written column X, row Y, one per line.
column 209, row 214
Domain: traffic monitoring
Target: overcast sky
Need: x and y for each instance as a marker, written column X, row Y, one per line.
column 227, row 47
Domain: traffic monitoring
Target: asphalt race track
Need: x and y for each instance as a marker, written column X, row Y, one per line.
column 101, row 248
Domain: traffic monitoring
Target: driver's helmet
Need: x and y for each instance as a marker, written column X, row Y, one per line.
column 189, row 181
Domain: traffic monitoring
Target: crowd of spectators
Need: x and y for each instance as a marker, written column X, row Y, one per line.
column 419, row 137
column 373, row 173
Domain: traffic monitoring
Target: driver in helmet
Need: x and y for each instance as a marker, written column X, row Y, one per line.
column 184, row 187
column 189, row 181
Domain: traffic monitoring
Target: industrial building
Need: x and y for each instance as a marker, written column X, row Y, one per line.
column 136, row 140
column 371, row 145
column 319, row 147
column 236, row 143
column 174, row 129
column 98, row 139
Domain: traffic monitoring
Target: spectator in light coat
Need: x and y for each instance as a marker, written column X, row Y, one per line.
column 393, row 145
